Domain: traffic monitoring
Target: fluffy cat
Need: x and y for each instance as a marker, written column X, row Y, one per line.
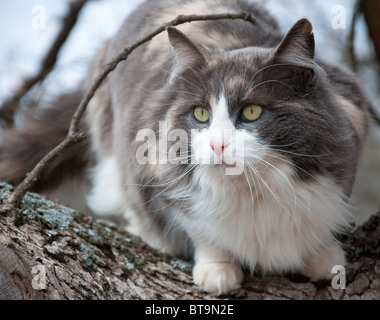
column 221, row 140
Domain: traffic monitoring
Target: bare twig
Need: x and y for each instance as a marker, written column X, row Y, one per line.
column 7, row 110
column 74, row 136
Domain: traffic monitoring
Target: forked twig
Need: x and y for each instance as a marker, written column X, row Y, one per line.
column 74, row 136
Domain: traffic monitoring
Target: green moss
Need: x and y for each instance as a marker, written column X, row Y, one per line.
column 5, row 186
column 54, row 215
column 128, row 264
column 34, row 206
column 92, row 256
column 99, row 237
column 93, row 238
column 181, row 265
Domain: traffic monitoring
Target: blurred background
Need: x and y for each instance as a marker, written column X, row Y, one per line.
column 47, row 45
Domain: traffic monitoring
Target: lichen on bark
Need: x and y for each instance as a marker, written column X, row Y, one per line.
column 83, row 257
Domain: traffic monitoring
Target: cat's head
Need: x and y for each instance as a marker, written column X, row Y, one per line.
column 247, row 107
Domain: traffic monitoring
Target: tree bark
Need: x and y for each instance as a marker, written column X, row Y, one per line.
column 48, row 251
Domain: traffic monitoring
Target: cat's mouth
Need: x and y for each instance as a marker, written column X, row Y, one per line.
column 228, row 168
column 224, row 165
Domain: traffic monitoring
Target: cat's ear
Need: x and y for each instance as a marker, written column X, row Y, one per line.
column 295, row 54
column 298, row 45
column 187, row 54
column 183, row 46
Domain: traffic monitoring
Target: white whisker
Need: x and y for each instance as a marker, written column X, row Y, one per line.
column 273, row 148
column 260, row 216
column 279, row 200
column 294, row 165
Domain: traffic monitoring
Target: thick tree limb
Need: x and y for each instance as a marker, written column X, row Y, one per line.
column 85, row 258
column 74, row 136
column 7, row 110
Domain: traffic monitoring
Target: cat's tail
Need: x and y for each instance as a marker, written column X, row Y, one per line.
column 38, row 133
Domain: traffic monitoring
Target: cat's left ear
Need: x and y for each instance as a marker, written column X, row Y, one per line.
column 188, row 56
column 298, row 44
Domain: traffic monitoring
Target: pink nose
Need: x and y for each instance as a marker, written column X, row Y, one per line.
column 218, row 147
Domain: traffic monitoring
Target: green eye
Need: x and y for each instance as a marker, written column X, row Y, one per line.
column 251, row 112
column 201, row 114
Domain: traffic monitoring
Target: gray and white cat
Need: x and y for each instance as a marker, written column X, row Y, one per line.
column 220, row 140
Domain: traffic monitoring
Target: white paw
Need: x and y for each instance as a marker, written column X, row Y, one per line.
column 217, row 278
column 320, row 267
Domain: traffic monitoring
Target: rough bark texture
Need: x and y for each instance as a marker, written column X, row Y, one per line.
column 86, row 258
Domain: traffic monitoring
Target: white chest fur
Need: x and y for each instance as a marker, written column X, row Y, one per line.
column 275, row 224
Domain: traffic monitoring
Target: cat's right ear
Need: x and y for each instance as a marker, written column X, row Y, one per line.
column 296, row 55
column 187, row 54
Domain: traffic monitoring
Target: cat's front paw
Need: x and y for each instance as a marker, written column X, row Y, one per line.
column 217, row 278
column 320, row 267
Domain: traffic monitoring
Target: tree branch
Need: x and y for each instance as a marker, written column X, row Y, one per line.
column 80, row 257
column 74, row 136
